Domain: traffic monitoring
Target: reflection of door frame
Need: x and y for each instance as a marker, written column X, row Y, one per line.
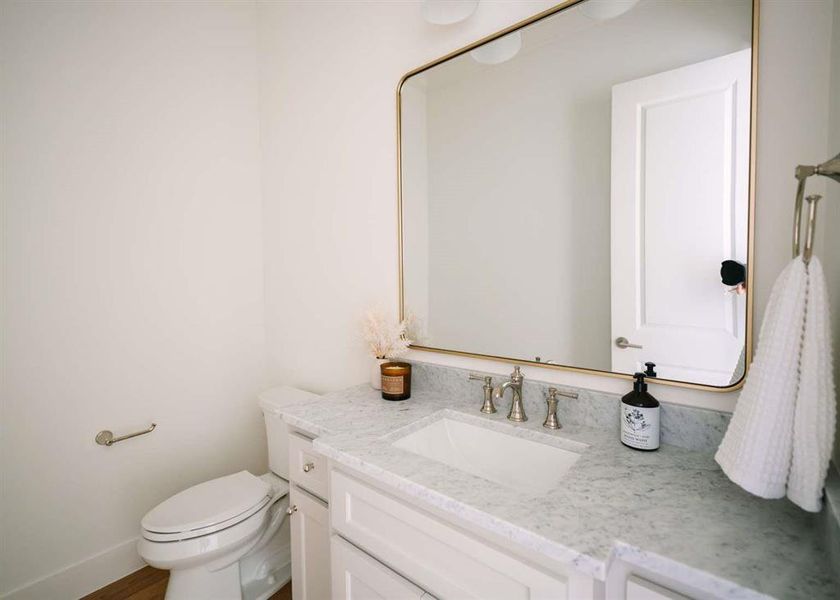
column 709, row 349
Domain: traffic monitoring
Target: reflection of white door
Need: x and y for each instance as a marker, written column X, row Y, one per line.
column 679, row 206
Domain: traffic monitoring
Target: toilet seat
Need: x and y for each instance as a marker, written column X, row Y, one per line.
column 213, row 551
column 207, row 508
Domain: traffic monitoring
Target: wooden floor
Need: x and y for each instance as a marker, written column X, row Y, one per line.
column 150, row 584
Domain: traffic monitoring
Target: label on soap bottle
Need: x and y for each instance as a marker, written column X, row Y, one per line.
column 640, row 427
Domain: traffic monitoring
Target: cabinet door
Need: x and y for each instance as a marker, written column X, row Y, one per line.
column 310, row 546
column 357, row 576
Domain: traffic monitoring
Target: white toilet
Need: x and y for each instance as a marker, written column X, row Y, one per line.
column 228, row 538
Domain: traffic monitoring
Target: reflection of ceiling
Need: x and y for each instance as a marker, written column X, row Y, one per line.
column 655, row 36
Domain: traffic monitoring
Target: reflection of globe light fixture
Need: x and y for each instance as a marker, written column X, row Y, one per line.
column 498, row 51
column 602, row 10
column 447, row 12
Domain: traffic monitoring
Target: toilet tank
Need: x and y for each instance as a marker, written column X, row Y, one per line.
column 272, row 403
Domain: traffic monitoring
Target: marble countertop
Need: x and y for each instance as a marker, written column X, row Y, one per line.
column 673, row 510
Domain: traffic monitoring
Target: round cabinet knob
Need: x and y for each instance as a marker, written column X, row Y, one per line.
column 292, row 509
column 308, row 467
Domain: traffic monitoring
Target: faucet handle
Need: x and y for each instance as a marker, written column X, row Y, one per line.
column 487, row 406
column 487, row 379
column 554, row 392
column 551, row 421
column 517, row 374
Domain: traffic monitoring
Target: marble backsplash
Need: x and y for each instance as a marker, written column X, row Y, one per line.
column 691, row 428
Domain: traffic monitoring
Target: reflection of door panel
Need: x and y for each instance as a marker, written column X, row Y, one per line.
column 679, row 206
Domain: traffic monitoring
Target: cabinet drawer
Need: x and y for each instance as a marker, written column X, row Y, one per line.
column 357, row 576
column 642, row 589
column 435, row 555
column 307, row 468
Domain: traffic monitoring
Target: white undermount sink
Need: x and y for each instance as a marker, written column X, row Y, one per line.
column 521, row 464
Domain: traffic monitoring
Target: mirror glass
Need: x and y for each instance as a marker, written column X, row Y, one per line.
column 570, row 190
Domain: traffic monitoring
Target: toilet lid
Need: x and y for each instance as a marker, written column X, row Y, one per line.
column 210, row 503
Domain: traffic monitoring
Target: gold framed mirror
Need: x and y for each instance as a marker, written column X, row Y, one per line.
column 576, row 192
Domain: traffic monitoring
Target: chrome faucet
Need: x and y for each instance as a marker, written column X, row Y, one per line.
column 517, row 409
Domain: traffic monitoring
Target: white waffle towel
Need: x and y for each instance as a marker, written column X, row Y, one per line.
column 780, row 438
column 813, row 423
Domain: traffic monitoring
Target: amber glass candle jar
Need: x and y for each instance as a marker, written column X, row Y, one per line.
column 396, row 380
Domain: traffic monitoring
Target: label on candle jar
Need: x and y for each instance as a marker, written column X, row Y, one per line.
column 393, row 384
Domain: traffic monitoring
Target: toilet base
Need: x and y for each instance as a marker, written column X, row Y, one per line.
column 265, row 571
column 189, row 584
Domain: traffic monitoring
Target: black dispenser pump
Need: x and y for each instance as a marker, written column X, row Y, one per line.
column 639, row 385
column 649, row 369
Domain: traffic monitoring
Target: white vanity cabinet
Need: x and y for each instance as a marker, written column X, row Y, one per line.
column 436, row 556
column 310, row 520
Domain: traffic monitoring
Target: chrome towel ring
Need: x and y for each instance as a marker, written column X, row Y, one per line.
column 830, row 169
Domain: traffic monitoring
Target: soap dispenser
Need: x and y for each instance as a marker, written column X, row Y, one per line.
column 640, row 417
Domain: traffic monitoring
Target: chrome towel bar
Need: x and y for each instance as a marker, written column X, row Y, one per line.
column 106, row 438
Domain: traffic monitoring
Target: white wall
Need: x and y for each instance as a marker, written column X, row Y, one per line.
column 132, row 274
column 829, row 214
column 795, row 110
column 329, row 73
column 330, row 196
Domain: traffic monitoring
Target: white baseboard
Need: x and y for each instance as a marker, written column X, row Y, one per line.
column 83, row 577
